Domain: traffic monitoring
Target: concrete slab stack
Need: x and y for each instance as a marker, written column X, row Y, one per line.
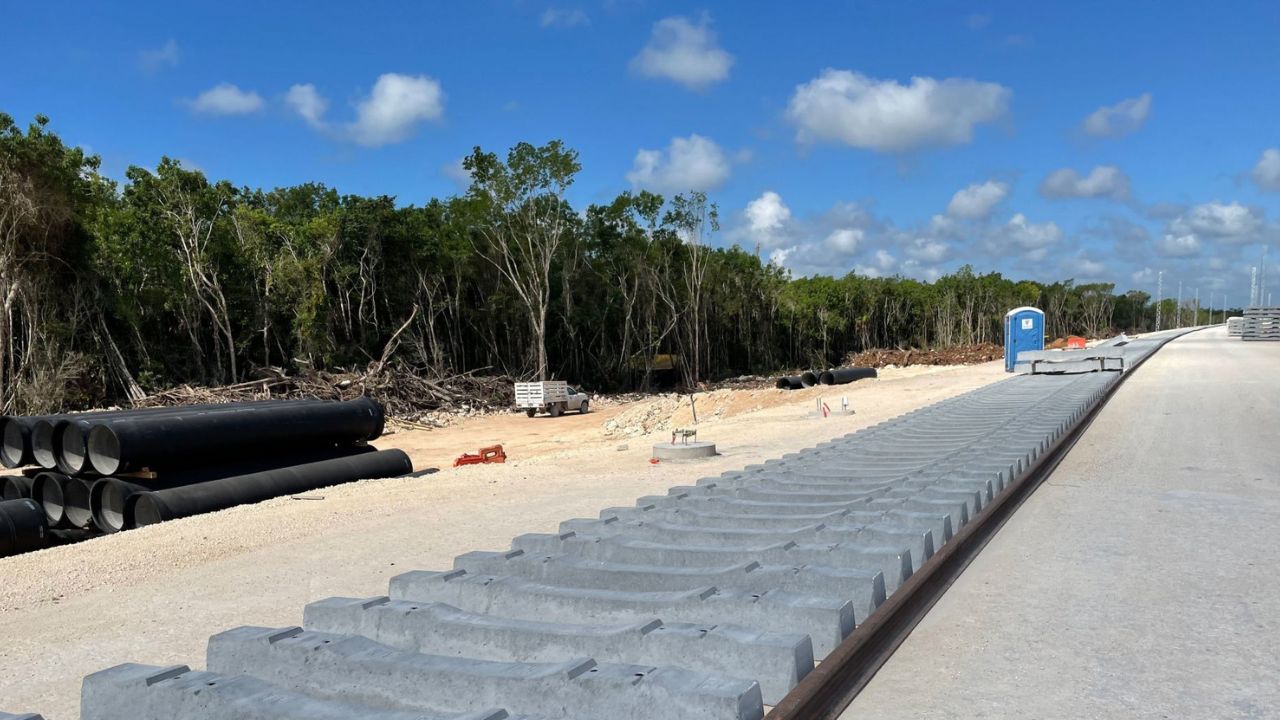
column 1261, row 323
column 708, row 602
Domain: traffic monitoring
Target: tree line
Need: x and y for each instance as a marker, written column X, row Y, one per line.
column 111, row 290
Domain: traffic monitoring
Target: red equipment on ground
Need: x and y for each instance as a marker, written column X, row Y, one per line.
column 492, row 454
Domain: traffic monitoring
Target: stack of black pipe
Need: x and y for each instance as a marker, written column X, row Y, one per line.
column 834, row 376
column 110, row 471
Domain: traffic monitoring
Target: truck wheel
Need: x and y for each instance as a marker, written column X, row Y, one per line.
column 556, row 410
column 584, row 408
column 531, row 411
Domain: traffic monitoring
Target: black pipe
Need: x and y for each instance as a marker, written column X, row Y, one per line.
column 841, row 376
column 147, row 508
column 48, row 491
column 789, row 382
column 22, row 526
column 15, row 487
column 66, row 439
column 109, row 496
column 75, row 501
column 176, row 441
column 808, row 378
column 15, row 439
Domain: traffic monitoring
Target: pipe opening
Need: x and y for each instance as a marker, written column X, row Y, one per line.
column 70, row 446
column 47, row 491
column 15, row 487
column 76, row 503
column 42, row 438
column 110, row 504
column 144, row 510
column 14, row 446
column 104, row 450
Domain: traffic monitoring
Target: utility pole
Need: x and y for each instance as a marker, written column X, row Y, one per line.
column 1253, row 286
column 1159, row 296
column 1178, row 322
column 1195, row 319
column 1262, row 278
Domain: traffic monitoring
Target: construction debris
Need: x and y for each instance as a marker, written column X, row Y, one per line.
column 958, row 355
column 491, row 454
column 406, row 395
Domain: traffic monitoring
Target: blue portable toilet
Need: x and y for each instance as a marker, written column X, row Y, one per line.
column 1023, row 330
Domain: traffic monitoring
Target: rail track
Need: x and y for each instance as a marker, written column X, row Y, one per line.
column 713, row 601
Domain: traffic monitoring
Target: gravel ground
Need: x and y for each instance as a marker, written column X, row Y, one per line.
column 156, row 594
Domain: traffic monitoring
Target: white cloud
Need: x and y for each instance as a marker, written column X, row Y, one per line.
column 1123, row 118
column 1228, row 222
column 767, row 217
column 1030, row 239
column 845, row 240
column 1145, row 276
column 226, row 99
column 977, row 200
column 883, row 115
column 395, row 106
column 684, row 52
column 308, row 103
column 1087, row 268
column 692, row 163
column 1178, row 245
column 779, row 256
column 153, row 61
column 883, row 264
column 1267, row 172
column 927, row 250
column 561, row 17
column 1104, row 181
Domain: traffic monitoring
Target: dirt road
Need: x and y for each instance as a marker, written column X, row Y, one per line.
column 156, row 594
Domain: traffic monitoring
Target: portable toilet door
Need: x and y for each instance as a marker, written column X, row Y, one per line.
column 1023, row 330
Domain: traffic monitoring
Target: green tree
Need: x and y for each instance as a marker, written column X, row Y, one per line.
column 526, row 221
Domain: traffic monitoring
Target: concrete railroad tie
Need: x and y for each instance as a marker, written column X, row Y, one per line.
column 356, row 669
column 777, row 660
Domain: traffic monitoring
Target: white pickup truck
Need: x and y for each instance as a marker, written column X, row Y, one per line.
column 552, row 396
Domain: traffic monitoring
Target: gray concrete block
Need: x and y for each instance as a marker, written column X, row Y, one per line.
column 864, row 587
column 672, row 532
column 354, row 668
column 739, row 506
column 888, row 552
column 10, row 716
column 776, row 660
column 877, row 527
column 958, row 511
column 147, row 692
column 898, row 521
column 826, row 621
column 728, row 517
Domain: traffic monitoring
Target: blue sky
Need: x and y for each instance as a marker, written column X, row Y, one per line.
column 1094, row 140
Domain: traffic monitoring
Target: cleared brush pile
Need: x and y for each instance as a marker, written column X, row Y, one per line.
column 899, row 357
column 405, row 395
